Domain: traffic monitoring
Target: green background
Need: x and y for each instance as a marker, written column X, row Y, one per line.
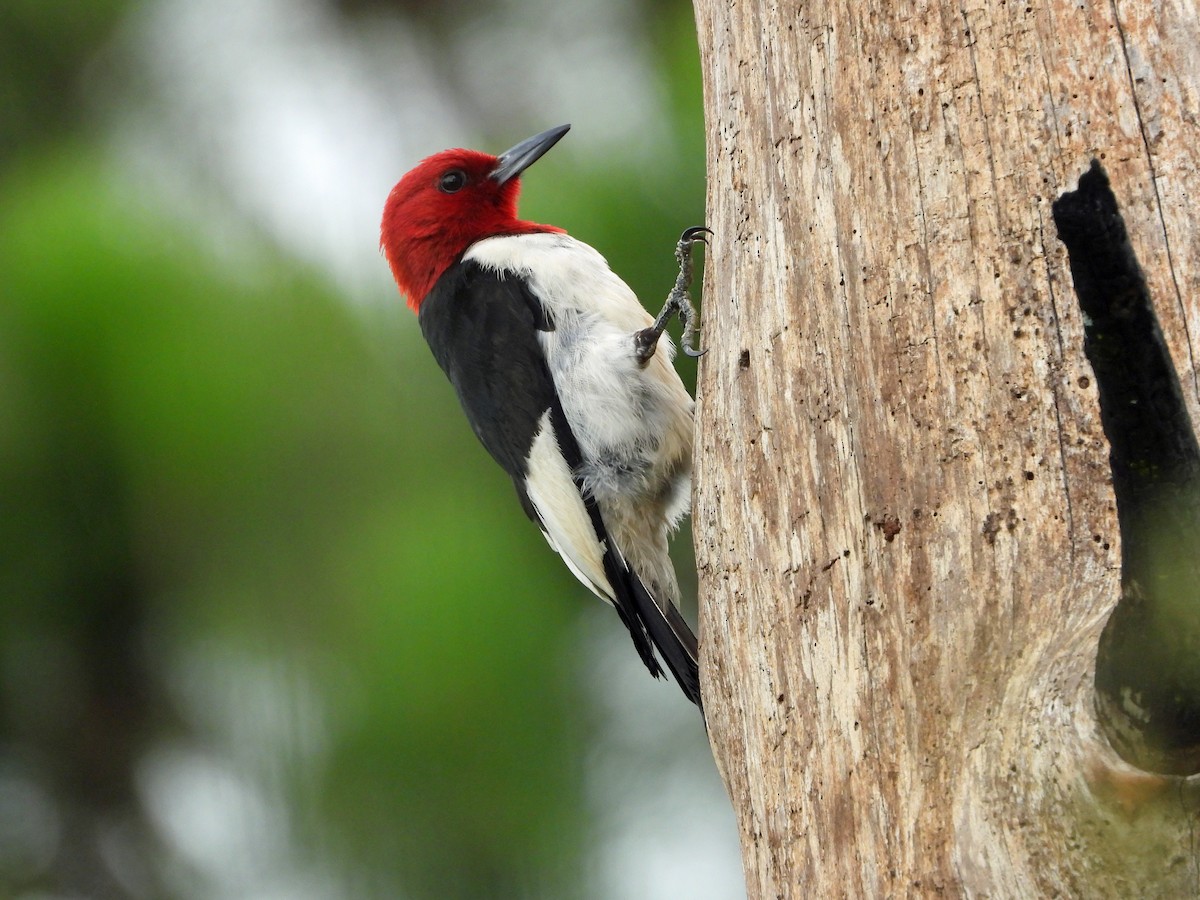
column 271, row 622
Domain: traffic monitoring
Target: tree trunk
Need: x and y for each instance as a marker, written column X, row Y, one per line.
column 905, row 520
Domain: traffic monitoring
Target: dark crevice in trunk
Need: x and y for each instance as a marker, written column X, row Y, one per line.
column 1148, row 667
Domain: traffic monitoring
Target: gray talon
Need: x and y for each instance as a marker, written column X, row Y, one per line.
column 679, row 302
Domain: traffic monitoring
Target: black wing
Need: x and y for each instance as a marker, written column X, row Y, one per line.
column 482, row 328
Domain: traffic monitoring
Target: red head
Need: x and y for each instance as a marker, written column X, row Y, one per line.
column 450, row 201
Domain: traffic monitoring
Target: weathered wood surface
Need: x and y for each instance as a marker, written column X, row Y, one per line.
column 904, row 525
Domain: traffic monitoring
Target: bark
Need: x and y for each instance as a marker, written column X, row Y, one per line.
column 905, row 523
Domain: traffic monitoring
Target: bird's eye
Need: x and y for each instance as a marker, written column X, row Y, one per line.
column 452, row 182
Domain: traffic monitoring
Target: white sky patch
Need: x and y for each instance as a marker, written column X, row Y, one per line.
column 222, row 825
column 278, row 107
column 666, row 829
column 573, row 61
column 305, row 123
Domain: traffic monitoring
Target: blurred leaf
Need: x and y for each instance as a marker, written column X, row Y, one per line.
column 226, row 446
column 44, row 47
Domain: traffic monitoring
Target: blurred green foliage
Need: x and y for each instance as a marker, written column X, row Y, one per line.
column 197, row 456
column 230, row 551
column 43, row 47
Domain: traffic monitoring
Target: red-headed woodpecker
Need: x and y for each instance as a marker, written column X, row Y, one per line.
column 565, row 378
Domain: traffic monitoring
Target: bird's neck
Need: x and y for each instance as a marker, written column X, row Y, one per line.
column 418, row 266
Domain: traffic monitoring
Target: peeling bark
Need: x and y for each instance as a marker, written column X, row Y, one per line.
column 906, row 531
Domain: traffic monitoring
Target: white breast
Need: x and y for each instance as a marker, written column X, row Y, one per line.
column 633, row 422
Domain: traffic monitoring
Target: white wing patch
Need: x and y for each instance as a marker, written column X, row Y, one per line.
column 565, row 520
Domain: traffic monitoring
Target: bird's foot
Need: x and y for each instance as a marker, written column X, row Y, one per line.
column 679, row 302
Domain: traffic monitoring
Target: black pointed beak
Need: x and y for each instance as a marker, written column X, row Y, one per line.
column 514, row 161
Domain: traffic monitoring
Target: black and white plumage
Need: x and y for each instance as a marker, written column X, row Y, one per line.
column 540, row 340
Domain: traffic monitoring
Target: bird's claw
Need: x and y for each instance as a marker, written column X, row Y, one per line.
column 682, row 300
column 679, row 302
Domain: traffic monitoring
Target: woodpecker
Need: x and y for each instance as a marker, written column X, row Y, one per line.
column 566, row 380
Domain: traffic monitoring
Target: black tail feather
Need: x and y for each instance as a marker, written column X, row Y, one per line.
column 655, row 627
column 651, row 626
column 674, row 639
